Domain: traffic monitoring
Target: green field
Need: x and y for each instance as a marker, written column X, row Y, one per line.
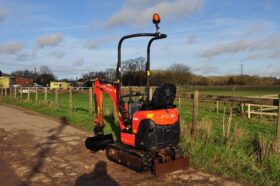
column 236, row 91
column 245, row 152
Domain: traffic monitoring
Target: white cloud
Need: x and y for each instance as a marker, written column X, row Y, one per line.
column 243, row 45
column 11, row 47
column 57, row 54
column 259, row 28
column 206, row 69
column 3, row 14
column 25, row 57
column 95, row 43
column 264, row 55
column 139, row 13
column 92, row 44
column 191, row 40
column 275, row 55
column 272, row 70
column 268, row 6
column 78, row 62
column 49, row 40
column 256, row 56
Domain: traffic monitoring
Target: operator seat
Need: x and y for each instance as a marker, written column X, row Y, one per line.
column 164, row 97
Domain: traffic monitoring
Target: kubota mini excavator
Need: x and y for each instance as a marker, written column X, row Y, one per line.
column 149, row 128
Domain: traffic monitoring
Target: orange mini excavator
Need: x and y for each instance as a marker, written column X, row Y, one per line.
column 149, row 127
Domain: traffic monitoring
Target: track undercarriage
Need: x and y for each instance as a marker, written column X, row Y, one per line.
column 159, row 162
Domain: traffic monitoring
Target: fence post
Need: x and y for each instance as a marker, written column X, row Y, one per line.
column 46, row 96
column 241, row 109
column 179, row 102
column 6, row 92
column 10, row 91
column 28, row 93
column 56, row 98
column 278, row 125
column 249, row 110
column 261, row 109
column 90, row 100
column 15, row 93
column 70, row 100
column 195, row 113
column 36, row 94
column 20, row 94
column 217, row 107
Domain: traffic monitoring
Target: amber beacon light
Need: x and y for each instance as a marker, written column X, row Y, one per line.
column 156, row 18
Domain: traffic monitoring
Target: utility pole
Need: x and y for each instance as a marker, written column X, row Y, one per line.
column 241, row 73
column 35, row 79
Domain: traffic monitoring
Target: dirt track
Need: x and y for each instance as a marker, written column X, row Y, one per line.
column 37, row 150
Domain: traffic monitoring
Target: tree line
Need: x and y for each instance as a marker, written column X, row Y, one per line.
column 42, row 77
column 133, row 74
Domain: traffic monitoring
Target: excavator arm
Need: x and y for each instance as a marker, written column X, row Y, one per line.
column 98, row 89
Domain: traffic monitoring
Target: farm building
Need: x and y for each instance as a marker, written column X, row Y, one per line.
column 23, row 82
column 60, row 85
column 6, row 82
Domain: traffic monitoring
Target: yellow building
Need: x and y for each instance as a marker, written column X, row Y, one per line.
column 5, row 82
column 60, row 85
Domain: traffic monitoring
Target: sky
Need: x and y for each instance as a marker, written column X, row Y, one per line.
column 212, row 37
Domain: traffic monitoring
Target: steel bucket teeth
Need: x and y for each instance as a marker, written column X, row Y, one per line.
column 99, row 142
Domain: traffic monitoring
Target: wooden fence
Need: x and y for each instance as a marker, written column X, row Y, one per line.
column 17, row 93
column 270, row 103
column 263, row 104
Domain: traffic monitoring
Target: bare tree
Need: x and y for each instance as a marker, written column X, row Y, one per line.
column 45, row 76
column 23, row 73
column 133, row 65
column 110, row 73
column 45, row 70
column 180, row 74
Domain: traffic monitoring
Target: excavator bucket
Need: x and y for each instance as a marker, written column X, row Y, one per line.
column 163, row 168
column 99, row 142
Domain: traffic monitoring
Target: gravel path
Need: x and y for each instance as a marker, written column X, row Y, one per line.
column 38, row 150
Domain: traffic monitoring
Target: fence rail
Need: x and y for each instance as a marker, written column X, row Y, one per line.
column 236, row 99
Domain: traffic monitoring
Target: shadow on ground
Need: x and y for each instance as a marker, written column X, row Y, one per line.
column 98, row 176
column 45, row 149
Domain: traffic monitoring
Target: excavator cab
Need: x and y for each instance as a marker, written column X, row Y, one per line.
column 149, row 127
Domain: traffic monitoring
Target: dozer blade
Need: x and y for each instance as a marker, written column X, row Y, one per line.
column 99, row 142
column 163, row 168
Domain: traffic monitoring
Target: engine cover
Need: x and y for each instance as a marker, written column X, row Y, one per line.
column 151, row 136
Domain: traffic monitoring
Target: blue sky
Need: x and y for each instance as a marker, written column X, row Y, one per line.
column 212, row 37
